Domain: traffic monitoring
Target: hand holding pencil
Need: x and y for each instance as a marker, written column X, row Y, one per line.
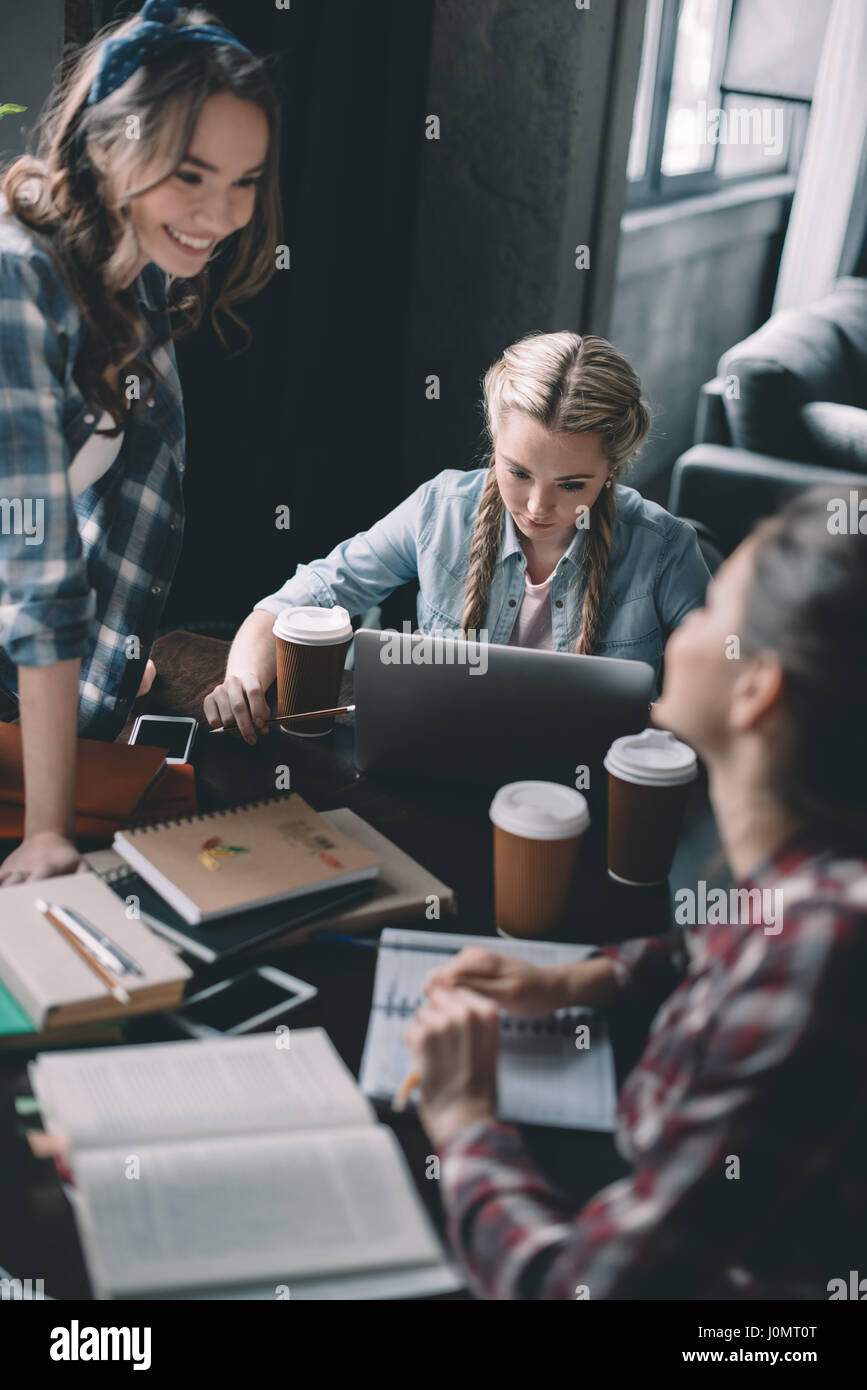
column 238, row 706
column 290, row 718
column 453, row 1041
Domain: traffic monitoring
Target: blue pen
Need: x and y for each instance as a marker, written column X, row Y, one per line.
column 343, row 940
column 426, row 950
column 110, row 948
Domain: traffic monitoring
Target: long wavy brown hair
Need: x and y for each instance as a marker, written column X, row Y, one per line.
column 73, row 195
column 570, row 384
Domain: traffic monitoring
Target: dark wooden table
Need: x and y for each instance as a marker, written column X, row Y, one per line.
column 444, row 828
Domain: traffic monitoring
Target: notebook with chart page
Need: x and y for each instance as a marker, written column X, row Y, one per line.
column 543, row 1078
column 247, row 856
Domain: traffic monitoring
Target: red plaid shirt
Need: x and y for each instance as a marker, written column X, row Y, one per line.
column 743, row 1123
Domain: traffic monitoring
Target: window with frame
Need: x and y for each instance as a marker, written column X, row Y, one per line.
column 690, row 134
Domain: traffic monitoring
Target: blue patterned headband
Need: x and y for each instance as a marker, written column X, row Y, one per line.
column 152, row 36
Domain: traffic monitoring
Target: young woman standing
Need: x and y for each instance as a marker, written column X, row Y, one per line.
column 158, row 152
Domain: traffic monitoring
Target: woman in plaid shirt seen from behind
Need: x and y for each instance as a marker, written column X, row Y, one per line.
column 758, row 1051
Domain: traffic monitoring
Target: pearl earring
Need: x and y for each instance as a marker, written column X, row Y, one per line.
column 608, row 481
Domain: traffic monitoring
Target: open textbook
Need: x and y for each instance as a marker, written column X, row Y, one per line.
column 236, row 1168
column 557, row 1071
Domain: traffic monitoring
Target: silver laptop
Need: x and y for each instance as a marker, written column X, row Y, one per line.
column 444, row 708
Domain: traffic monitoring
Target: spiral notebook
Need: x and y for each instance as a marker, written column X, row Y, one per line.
column 401, row 893
column 557, row 1071
column 248, row 856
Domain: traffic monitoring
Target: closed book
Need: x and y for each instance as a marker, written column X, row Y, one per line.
column 404, row 891
column 219, row 940
column 51, row 982
column 18, row 1033
column 247, row 856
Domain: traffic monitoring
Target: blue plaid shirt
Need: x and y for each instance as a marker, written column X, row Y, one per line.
column 99, row 574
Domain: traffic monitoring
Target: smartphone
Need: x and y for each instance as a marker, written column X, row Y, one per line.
column 177, row 733
column 241, row 1005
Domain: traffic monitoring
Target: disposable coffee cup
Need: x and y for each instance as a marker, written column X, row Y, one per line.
column 538, row 828
column 311, row 653
column 648, row 785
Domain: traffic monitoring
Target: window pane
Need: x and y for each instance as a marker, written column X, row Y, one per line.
column 687, row 147
column 753, row 136
column 636, row 164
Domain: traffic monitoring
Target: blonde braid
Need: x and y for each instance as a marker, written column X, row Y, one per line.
column 594, row 564
column 484, row 549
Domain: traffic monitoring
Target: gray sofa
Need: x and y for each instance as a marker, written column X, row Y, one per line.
column 787, row 410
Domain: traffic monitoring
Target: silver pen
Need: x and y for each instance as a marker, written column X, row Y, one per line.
column 105, row 950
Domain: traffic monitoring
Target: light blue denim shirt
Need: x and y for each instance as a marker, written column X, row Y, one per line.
column 656, row 572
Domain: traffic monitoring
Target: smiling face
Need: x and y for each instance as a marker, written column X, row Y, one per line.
column 212, row 193
column 547, row 479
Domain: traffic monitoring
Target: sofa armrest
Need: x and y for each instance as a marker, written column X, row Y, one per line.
column 729, row 490
column 711, row 425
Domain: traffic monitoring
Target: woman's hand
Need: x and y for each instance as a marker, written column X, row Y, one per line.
column 519, row 987
column 239, row 700
column 453, row 1040
column 523, row 989
column 41, row 856
column 251, row 669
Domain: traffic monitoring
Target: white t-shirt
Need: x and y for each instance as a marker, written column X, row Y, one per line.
column 94, row 458
column 533, row 623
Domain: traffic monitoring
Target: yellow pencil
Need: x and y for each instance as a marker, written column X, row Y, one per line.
column 114, row 988
column 402, row 1096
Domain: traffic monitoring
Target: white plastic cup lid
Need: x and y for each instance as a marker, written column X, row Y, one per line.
column 540, row 810
column 653, row 758
column 313, row 626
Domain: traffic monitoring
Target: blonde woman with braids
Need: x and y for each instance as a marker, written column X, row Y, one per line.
column 542, row 548
column 157, row 151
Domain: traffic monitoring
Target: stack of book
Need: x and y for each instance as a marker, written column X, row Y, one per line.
column 212, row 887
column 266, row 874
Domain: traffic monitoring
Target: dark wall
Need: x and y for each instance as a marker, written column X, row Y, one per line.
column 535, row 107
